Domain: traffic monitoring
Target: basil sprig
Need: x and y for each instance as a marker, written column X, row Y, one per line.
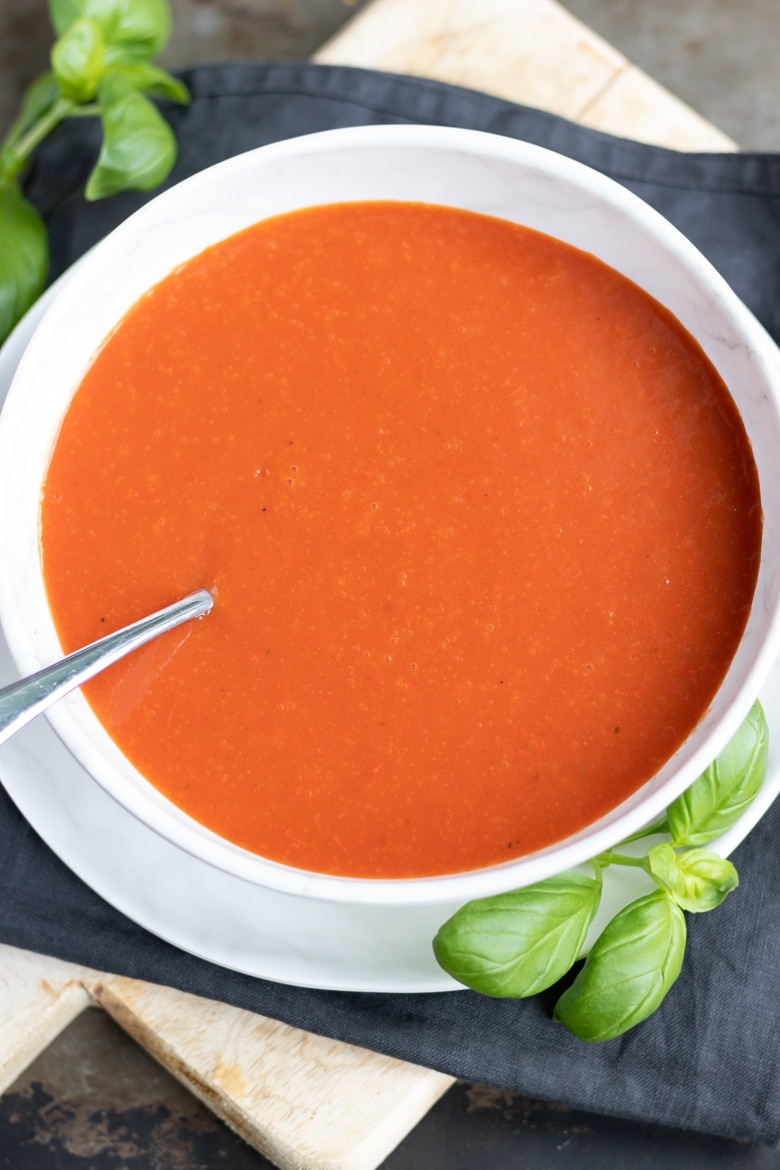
column 101, row 65
column 517, row 944
column 697, row 879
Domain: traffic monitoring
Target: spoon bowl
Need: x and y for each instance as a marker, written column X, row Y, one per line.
column 21, row 701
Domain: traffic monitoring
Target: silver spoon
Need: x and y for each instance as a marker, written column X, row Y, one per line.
column 22, row 701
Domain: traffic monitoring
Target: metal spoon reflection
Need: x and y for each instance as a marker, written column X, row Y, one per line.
column 22, row 701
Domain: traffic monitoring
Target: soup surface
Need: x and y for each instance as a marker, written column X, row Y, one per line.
column 481, row 522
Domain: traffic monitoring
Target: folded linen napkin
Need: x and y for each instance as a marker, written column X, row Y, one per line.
column 710, row 1058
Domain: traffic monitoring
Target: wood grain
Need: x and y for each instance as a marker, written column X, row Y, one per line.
column 529, row 51
column 38, row 998
column 304, row 1101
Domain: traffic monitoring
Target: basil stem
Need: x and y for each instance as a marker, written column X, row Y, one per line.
column 519, row 943
column 103, row 50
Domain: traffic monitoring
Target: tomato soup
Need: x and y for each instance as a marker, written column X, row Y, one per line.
column 481, row 522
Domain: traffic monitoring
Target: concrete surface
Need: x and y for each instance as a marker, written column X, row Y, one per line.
column 718, row 55
column 94, row 1101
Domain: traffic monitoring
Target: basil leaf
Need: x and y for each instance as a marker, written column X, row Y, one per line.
column 629, row 970
column 513, row 945
column 24, row 256
column 77, row 59
column 62, row 13
column 139, row 148
column 719, row 797
column 150, row 79
column 134, row 30
column 698, row 880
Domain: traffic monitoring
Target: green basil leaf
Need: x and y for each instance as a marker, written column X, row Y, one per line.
column 134, row 30
column 77, row 59
column 513, row 945
column 150, row 79
column 629, row 970
column 719, row 797
column 139, row 148
column 698, row 879
column 62, row 13
column 24, row 256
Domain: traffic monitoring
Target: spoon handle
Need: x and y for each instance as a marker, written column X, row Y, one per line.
column 22, row 701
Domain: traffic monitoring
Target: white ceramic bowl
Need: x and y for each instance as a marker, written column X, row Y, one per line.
column 480, row 172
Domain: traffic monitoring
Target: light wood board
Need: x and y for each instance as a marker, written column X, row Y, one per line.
column 529, row 51
column 305, row 1102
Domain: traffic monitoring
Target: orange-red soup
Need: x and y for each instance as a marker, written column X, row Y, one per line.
column 481, row 521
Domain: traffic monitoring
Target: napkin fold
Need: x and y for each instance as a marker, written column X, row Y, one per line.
column 709, row 1060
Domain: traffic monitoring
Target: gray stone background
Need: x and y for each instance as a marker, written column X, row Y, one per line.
column 721, row 56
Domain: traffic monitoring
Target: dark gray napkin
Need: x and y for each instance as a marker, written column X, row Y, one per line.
column 710, row 1058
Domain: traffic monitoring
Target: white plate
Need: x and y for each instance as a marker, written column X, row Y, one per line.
column 222, row 918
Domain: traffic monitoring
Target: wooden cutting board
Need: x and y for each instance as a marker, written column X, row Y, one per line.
column 305, row 1102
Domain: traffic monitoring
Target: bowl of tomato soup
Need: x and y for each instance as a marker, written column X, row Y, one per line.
column 479, row 458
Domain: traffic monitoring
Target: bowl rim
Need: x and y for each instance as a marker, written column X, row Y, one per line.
column 640, row 808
